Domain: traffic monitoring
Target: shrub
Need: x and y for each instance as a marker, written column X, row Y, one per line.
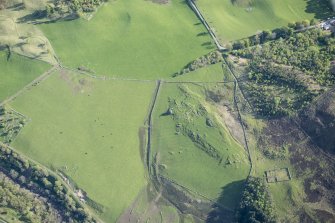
column 211, row 58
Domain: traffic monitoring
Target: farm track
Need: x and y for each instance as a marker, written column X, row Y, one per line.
column 194, row 7
column 42, row 77
column 105, row 78
column 152, row 107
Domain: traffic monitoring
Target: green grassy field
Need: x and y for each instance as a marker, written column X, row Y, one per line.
column 17, row 72
column 221, row 170
column 90, row 130
column 132, row 38
column 233, row 22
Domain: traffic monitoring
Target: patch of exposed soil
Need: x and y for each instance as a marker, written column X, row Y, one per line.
column 233, row 125
column 77, row 86
column 239, row 60
column 142, row 138
column 161, row 2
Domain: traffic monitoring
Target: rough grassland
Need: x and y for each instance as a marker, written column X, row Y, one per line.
column 181, row 160
column 132, row 38
column 90, row 130
column 17, row 72
column 233, row 22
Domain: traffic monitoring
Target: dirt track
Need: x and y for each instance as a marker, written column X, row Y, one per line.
column 30, row 85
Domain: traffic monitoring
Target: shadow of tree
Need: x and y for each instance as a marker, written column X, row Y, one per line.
column 38, row 14
column 321, row 8
column 230, row 195
column 38, row 17
column 16, row 7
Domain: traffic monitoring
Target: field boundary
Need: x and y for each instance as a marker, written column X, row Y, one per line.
column 236, row 85
column 36, row 81
column 149, row 122
column 194, row 7
column 275, row 179
column 105, row 78
column 195, row 192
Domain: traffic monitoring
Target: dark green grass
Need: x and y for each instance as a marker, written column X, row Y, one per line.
column 16, row 72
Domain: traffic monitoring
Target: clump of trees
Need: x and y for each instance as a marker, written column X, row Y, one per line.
column 28, row 205
column 211, row 58
column 311, row 51
column 268, row 35
column 40, row 181
column 275, row 91
column 302, row 24
column 255, row 204
column 10, row 124
column 280, row 73
column 263, row 37
column 61, row 7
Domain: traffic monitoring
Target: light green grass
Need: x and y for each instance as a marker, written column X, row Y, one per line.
column 232, row 22
column 91, row 132
column 206, row 74
column 131, row 38
column 17, row 72
column 181, row 160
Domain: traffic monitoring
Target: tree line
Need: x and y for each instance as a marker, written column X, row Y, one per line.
column 44, row 183
column 203, row 61
column 27, row 205
column 268, row 35
column 62, row 7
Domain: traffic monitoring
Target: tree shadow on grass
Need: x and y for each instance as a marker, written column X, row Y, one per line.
column 39, row 17
column 16, row 7
column 321, row 8
column 230, row 197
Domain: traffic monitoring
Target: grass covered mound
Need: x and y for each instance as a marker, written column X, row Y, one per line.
column 89, row 130
column 16, row 72
column 131, row 38
column 193, row 147
column 238, row 19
